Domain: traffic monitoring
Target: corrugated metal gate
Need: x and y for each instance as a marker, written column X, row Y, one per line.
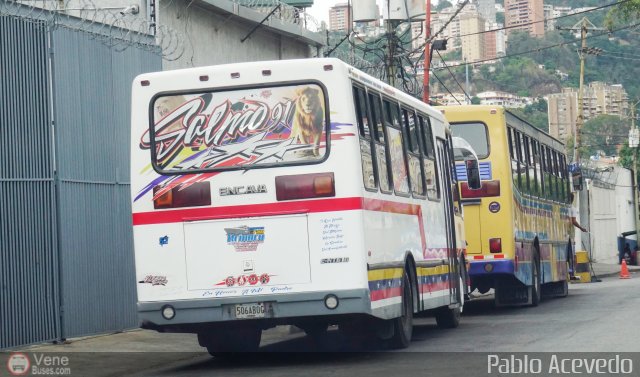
column 66, row 255
column 28, row 234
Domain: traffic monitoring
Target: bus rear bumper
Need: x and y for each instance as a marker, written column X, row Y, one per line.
column 491, row 267
column 283, row 309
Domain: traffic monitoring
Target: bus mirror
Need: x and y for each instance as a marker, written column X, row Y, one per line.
column 473, row 174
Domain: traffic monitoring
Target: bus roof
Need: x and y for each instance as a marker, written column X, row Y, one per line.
column 279, row 71
column 511, row 118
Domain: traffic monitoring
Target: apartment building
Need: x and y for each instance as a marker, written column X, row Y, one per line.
column 524, row 15
column 340, row 17
column 598, row 99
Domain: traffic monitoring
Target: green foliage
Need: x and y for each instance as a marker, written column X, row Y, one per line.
column 536, row 114
column 475, row 100
column 626, row 156
column 443, row 4
column 603, row 133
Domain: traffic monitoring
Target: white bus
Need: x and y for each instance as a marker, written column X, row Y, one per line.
column 300, row 192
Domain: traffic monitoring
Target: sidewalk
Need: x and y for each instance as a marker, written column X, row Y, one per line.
column 604, row 269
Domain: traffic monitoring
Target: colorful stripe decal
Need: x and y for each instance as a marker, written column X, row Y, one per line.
column 385, row 283
column 432, row 279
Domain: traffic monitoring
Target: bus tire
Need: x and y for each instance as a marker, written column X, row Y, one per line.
column 449, row 318
column 403, row 325
column 536, row 290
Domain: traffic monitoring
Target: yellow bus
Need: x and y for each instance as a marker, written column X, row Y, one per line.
column 516, row 224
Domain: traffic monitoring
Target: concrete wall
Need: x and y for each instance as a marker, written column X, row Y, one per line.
column 212, row 36
column 609, row 212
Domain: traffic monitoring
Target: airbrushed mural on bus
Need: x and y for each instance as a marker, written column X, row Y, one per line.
column 291, row 193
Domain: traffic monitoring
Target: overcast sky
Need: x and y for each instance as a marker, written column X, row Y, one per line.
column 320, row 8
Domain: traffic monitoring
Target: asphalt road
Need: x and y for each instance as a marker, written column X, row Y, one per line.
column 598, row 317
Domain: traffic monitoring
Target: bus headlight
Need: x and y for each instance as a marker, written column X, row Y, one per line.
column 331, row 301
column 168, row 312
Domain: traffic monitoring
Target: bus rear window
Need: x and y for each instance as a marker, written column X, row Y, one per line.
column 475, row 134
column 238, row 129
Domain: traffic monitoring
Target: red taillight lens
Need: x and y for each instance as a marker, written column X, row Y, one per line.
column 290, row 187
column 194, row 195
column 495, row 245
column 489, row 188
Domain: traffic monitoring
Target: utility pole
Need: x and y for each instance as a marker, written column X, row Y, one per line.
column 427, row 54
column 583, row 26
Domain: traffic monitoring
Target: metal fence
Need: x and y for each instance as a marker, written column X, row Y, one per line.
column 66, row 255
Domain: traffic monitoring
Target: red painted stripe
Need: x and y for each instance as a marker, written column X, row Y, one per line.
column 269, row 209
column 478, row 257
column 381, row 294
column 435, row 287
column 498, row 256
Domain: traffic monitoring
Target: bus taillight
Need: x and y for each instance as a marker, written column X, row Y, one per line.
column 290, row 187
column 489, row 188
column 495, row 245
column 194, row 195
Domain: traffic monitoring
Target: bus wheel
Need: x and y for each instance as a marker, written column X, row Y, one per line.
column 535, row 277
column 449, row 318
column 226, row 343
column 403, row 325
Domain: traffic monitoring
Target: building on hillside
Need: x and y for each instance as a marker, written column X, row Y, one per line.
column 449, row 99
column 598, row 99
column 340, row 17
column 451, row 32
column 473, row 42
column 562, row 112
column 524, row 15
column 497, row 98
column 487, row 9
column 549, row 21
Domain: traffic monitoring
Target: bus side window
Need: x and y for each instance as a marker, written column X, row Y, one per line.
column 518, row 153
column 556, row 174
column 428, row 159
column 565, row 178
column 455, row 191
column 414, row 146
column 362, row 117
column 549, row 178
column 543, row 166
column 395, row 143
column 512, row 154
column 538, row 168
column 529, row 165
column 375, row 104
column 522, row 167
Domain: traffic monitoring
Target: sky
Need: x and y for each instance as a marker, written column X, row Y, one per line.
column 320, row 8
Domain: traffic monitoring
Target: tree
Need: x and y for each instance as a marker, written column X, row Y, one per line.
column 475, row 100
column 443, row 4
column 603, row 133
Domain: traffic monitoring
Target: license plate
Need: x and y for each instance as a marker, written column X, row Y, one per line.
column 257, row 310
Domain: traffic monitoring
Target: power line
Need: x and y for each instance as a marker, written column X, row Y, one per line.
column 454, row 76
column 546, row 19
column 539, row 49
column 440, row 81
